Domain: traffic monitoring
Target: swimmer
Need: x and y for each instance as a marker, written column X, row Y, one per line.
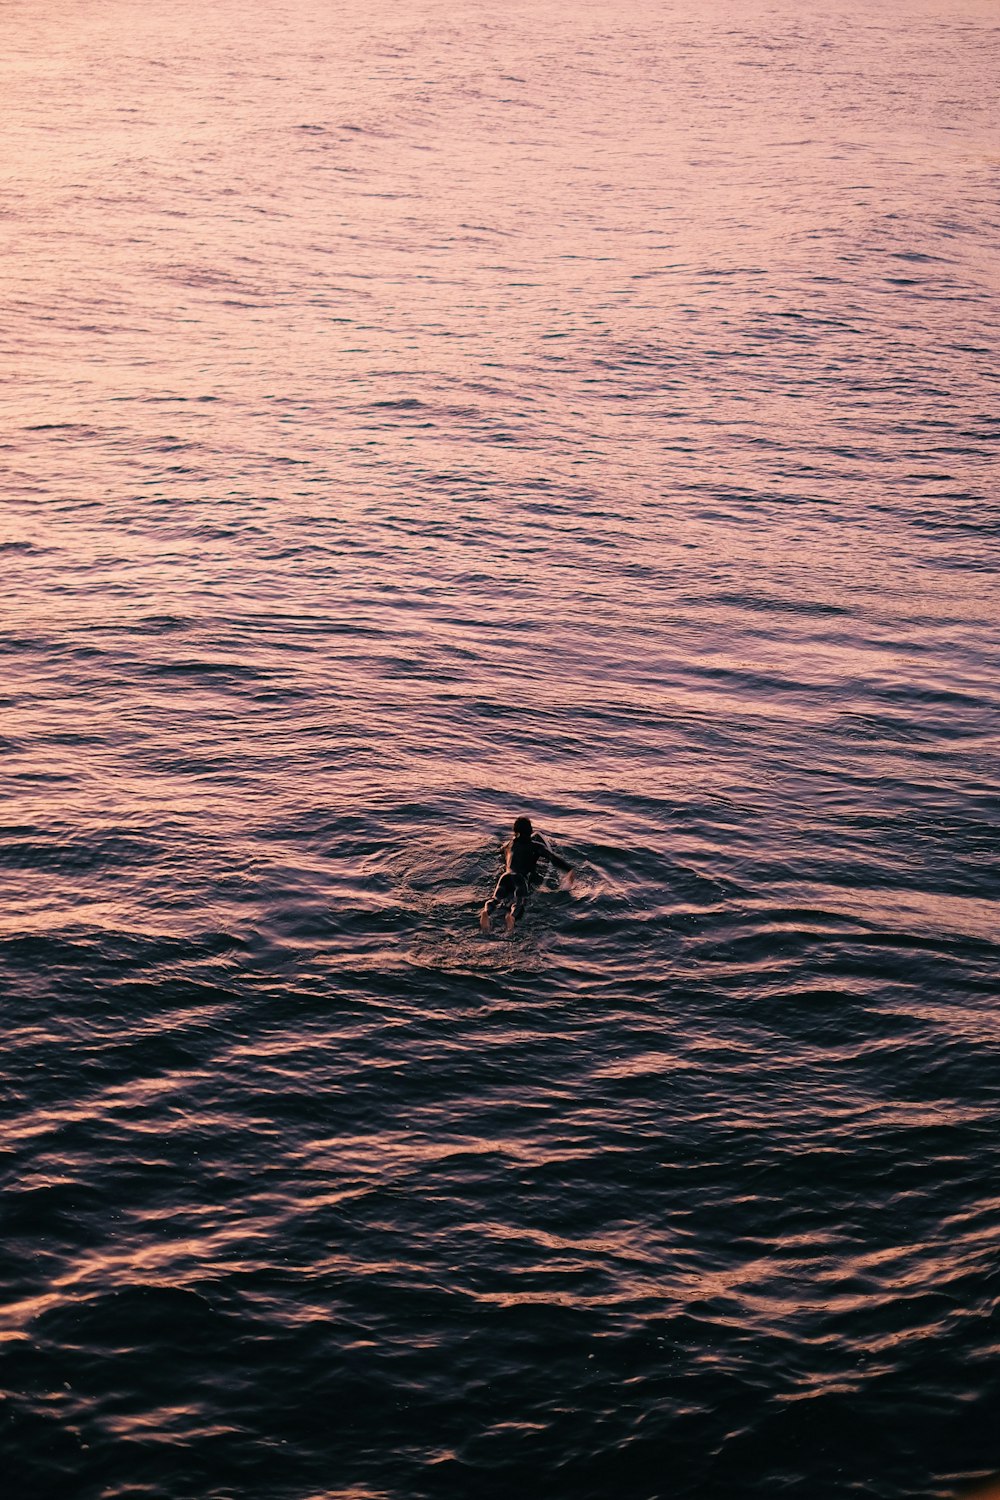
column 522, row 855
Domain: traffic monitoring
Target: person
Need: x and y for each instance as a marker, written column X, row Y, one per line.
column 522, row 855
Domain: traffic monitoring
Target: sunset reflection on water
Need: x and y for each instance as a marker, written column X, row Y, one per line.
column 418, row 417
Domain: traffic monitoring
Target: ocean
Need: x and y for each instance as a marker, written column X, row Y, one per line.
column 417, row 416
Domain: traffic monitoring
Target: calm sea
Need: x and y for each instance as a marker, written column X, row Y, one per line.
column 416, row 415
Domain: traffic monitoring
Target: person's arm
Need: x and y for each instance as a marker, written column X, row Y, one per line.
column 557, row 859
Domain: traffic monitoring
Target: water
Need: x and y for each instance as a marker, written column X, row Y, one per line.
column 417, row 415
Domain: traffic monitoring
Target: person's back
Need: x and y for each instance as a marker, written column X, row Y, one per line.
column 524, row 852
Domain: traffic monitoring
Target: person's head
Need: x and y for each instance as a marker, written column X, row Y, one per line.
column 522, row 828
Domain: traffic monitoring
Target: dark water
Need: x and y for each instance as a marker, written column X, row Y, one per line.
column 417, row 415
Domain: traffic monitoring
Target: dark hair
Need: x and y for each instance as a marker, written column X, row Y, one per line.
column 522, row 826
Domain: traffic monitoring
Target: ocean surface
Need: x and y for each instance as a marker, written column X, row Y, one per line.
column 416, row 415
